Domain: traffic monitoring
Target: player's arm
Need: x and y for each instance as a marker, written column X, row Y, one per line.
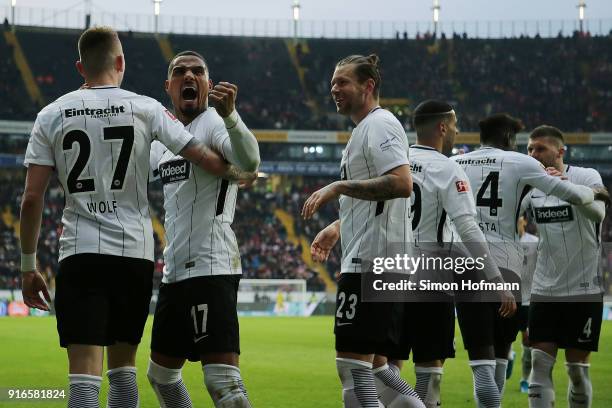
column 395, row 183
column 324, row 242
column 168, row 130
column 242, row 148
column 596, row 211
column 211, row 162
column 535, row 176
column 458, row 202
column 472, row 235
column 32, row 202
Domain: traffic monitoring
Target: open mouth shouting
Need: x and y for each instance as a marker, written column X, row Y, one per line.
column 189, row 93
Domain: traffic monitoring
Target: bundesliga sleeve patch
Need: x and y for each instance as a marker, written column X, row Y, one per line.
column 170, row 115
column 462, row 186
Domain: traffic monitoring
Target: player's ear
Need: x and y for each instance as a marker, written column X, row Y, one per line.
column 210, row 84
column 370, row 85
column 561, row 152
column 119, row 63
column 166, row 85
column 80, row 68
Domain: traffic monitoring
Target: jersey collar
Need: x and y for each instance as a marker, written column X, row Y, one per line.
column 418, row 146
column 104, row 87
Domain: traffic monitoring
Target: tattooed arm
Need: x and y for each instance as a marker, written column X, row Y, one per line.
column 395, row 183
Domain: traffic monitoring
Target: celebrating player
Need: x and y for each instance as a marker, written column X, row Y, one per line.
column 373, row 193
column 98, row 140
column 566, row 301
column 500, row 179
column 441, row 192
column 529, row 242
column 196, row 316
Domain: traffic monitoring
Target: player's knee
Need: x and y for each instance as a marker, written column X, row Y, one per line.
column 541, row 367
column 347, row 366
column 225, row 386
column 158, row 374
column 576, row 373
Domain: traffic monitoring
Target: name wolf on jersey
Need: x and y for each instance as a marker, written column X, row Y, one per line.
column 95, row 113
column 173, row 171
column 562, row 213
column 102, row 207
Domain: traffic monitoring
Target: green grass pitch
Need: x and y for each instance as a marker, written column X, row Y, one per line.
column 286, row 362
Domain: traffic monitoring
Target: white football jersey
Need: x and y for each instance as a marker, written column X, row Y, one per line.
column 570, row 244
column 99, row 141
column 529, row 242
column 199, row 207
column 440, row 191
column 500, row 180
column 370, row 229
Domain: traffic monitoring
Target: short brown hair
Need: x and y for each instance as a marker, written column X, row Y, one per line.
column 98, row 49
column 365, row 68
column 497, row 127
column 548, row 131
column 186, row 54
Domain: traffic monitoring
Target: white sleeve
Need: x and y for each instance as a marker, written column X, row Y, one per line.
column 241, row 147
column 387, row 145
column 166, row 128
column 534, row 174
column 595, row 211
column 469, row 232
column 39, row 150
column 525, row 204
column 457, row 198
column 157, row 151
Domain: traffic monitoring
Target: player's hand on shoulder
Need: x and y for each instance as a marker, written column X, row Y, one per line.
column 324, row 242
column 602, row 194
column 223, row 96
column 319, row 198
column 249, row 180
column 555, row 173
column 32, row 283
column 508, row 304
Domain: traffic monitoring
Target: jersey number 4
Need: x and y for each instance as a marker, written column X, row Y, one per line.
column 492, row 201
column 75, row 184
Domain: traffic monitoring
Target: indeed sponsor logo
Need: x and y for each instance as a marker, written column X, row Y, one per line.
column 174, row 171
column 104, row 112
column 554, row 214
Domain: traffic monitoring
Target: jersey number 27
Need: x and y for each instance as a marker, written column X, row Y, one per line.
column 123, row 134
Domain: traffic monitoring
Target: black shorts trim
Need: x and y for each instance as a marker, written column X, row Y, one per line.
column 364, row 327
column 574, row 325
column 482, row 326
column 523, row 317
column 197, row 316
column 102, row 299
column 428, row 331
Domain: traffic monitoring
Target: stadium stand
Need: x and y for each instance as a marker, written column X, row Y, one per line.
column 14, row 102
column 568, row 80
column 286, row 86
column 266, row 253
